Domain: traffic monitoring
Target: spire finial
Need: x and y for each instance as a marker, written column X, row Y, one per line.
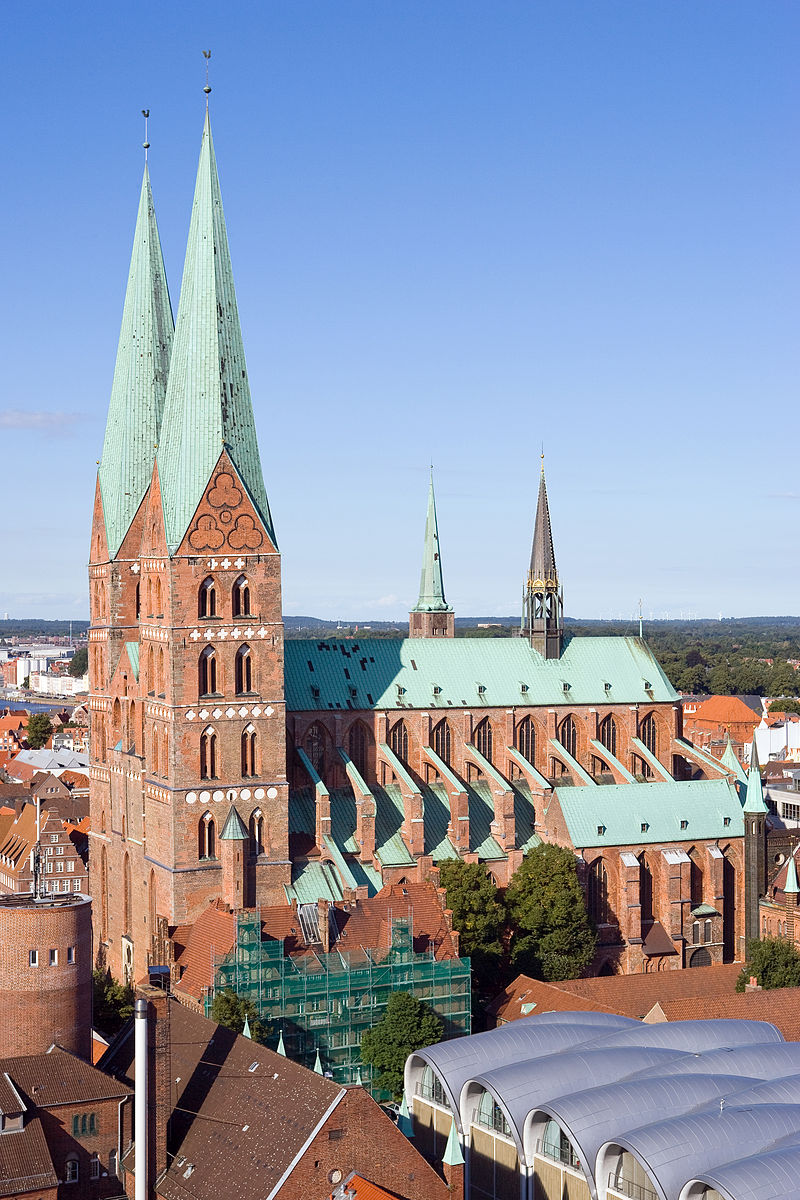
column 207, row 88
column 542, row 459
column 145, row 143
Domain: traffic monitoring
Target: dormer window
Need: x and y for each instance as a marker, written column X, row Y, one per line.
column 481, row 689
column 607, row 686
column 523, row 687
column 726, row 820
column 565, row 686
column 684, row 824
column 437, row 691
column 601, row 830
column 645, row 826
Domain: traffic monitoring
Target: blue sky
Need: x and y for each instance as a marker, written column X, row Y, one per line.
column 459, row 230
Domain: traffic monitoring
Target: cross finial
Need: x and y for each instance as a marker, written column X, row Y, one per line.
column 207, row 88
column 145, row 143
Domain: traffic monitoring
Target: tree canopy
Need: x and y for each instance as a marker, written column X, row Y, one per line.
column 406, row 1026
column 773, row 962
column 478, row 915
column 113, row 1002
column 38, row 730
column 553, row 937
column 79, row 663
column 230, row 1010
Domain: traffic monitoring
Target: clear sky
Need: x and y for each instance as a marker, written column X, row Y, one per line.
column 459, row 230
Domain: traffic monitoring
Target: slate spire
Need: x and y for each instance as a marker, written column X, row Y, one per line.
column 208, row 403
column 140, row 379
column 543, row 604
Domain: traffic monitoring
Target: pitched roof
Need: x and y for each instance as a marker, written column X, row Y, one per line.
column 207, row 404
column 431, row 584
column 648, row 813
column 780, row 1006
column 362, row 1189
column 213, row 933
column 140, row 379
column 627, row 995
column 754, row 796
column 58, row 1077
column 724, row 710
column 402, row 673
column 25, row 1162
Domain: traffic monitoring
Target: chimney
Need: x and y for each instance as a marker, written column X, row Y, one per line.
column 752, row 985
column 140, row 1100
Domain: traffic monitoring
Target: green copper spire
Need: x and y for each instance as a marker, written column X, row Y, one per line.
column 280, row 1048
column 317, row 1065
column 234, row 829
column 140, row 379
column 730, row 761
column 754, row 799
column 452, row 1152
column 431, row 586
column 404, row 1122
column 791, row 887
column 208, row 404
column 246, row 1031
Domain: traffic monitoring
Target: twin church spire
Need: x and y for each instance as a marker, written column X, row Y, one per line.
column 185, row 394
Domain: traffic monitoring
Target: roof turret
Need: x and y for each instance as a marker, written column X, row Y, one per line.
column 754, row 797
column 234, row 829
column 140, row 379
column 208, row 405
column 431, row 585
column 730, row 761
column 543, row 556
column 453, row 1156
column 791, row 886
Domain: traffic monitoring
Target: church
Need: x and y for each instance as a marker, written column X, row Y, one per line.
column 231, row 766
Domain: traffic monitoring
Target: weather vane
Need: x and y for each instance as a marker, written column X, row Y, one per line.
column 207, row 88
column 145, row 143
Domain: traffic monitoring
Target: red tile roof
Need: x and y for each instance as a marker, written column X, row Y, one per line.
column 780, row 1006
column 212, row 935
column 25, row 1162
column 364, row 1190
column 58, row 1077
column 724, row 710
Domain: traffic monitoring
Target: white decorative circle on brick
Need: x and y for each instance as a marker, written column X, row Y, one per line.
column 259, row 793
column 272, row 793
column 245, row 793
column 203, row 713
column 218, row 795
column 232, row 794
column 205, row 797
column 243, row 712
column 256, row 711
column 190, row 716
column 191, row 797
column 217, row 713
column 230, row 712
column 270, row 711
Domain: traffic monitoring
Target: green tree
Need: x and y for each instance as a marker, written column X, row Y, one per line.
column 553, row 937
column 38, row 730
column 26, row 683
column 79, row 663
column 787, row 706
column 113, row 1002
column 478, row 915
column 230, row 1010
column 774, row 963
column 406, row 1026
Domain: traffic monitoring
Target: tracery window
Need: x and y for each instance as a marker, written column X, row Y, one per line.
column 398, row 740
column 207, row 673
column 482, row 738
column 208, row 753
column 244, row 670
column 568, row 735
column 248, row 752
column 241, row 597
column 608, row 735
column 598, row 892
column 357, row 743
column 525, row 738
column 441, row 740
column 207, row 598
column 206, row 837
column 315, row 748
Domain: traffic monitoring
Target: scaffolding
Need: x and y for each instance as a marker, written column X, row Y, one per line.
column 323, row 1002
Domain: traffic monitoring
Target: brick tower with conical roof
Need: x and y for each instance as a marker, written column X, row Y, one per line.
column 187, row 633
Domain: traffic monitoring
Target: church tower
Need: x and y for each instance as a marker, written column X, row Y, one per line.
column 431, row 616
column 201, row 667
column 542, row 599
column 755, row 847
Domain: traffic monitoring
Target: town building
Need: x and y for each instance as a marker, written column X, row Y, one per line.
column 61, row 846
column 355, row 762
column 591, row 1105
column 321, row 973
column 720, row 719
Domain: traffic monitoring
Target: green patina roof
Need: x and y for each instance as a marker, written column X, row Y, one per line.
column 452, row 1156
column 625, row 807
column 431, row 585
column 791, row 886
column 140, row 379
column 133, row 657
column 208, row 402
column 730, row 761
column 754, row 796
column 234, row 829
column 378, row 668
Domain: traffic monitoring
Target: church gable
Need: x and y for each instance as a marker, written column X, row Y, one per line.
column 226, row 521
column 153, row 539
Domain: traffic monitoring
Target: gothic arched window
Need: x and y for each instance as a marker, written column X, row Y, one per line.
column 357, row 743
column 482, row 738
column 206, row 837
column 154, row 751
column 207, row 598
column 244, row 670
column 248, row 752
column 648, row 733
column 525, row 738
column 257, row 832
column 645, row 889
column 598, row 892
column 126, row 894
column 151, row 671
column 568, row 735
column 162, row 675
column 608, row 735
column 241, row 597
column 315, row 748
column 441, row 740
column 398, row 739
column 207, row 673
column 208, row 754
